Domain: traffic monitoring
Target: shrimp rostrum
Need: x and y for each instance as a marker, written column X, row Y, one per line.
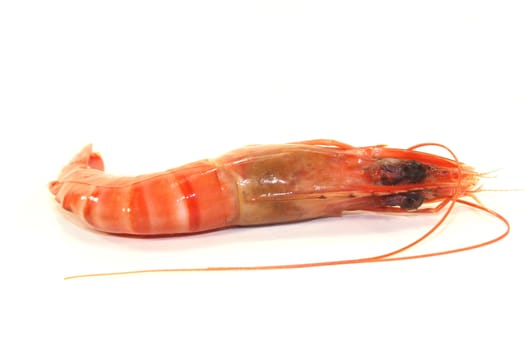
column 260, row 184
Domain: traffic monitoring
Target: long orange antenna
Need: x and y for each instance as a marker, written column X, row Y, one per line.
column 379, row 258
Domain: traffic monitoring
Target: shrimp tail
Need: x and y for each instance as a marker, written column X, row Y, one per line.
column 85, row 159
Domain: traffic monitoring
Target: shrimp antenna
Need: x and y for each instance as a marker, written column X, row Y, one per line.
column 390, row 256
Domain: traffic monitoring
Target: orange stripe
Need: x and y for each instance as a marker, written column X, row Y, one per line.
column 139, row 217
column 191, row 200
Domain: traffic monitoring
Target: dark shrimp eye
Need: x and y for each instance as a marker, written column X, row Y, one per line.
column 394, row 172
column 409, row 200
column 414, row 172
column 412, row 200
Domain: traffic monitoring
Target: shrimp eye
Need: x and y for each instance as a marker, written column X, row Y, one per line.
column 408, row 200
column 414, row 172
column 412, row 200
column 393, row 172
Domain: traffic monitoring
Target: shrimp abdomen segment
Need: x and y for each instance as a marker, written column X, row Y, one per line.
column 193, row 198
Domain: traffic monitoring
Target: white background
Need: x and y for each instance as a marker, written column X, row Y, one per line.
column 157, row 84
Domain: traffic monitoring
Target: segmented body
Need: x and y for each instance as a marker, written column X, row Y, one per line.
column 259, row 184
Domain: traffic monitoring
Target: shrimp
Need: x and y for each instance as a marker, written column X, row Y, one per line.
column 269, row 184
column 260, row 184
